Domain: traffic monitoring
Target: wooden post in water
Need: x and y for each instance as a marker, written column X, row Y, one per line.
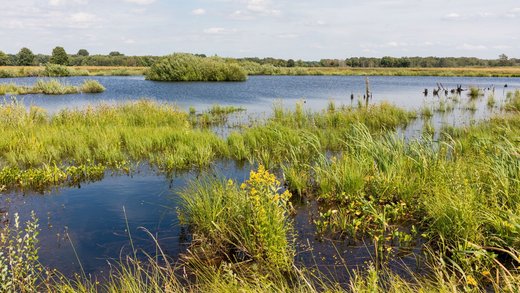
column 367, row 85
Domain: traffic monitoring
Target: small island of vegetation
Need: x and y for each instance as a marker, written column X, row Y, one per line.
column 188, row 67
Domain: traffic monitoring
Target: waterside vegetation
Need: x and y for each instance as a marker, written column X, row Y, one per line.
column 451, row 201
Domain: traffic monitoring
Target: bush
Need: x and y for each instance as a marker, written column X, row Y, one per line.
column 187, row 67
column 56, row 70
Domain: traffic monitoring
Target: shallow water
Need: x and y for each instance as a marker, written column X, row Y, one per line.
column 92, row 216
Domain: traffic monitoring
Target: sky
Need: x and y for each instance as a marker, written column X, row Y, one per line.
column 298, row 29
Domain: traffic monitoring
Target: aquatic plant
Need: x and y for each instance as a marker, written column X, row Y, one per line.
column 513, row 101
column 474, row 93
column 91, row 86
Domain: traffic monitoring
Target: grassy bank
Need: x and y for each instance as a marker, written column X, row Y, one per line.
column 51, row 87
column 257, row 69
column 58, row 70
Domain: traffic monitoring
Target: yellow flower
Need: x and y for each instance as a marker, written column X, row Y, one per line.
column 471, row 281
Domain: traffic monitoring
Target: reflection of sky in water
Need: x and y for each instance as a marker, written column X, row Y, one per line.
column 93, row 214
column 259, row 92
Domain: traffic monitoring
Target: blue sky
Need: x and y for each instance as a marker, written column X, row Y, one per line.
column 302, row 29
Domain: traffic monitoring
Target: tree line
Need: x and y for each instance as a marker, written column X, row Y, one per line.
column 25, row 57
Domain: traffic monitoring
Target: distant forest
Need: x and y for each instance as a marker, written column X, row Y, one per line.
column 25, row 57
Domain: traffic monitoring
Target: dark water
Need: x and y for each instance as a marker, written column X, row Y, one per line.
column 92, row 217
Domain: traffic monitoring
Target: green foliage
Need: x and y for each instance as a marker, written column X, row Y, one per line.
column 83, row 52
column 187, row 67
column 59, row 56
column 4, row 59
column 56, row 70
column 25, row 57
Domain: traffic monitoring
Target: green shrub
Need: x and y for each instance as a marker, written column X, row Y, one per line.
column 56, row 70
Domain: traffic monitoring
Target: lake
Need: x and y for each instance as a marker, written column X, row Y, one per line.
column 91, row 220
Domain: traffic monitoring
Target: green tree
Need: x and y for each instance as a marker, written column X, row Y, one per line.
column 115, row 53
column 4, row 59
column 59, row 56
column 291, row 63
column 25, row 57
column 83, row 52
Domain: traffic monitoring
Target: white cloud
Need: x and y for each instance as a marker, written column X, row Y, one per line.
column 287, row 36
column 83, row 17
column 128, row 41
column 471, row 47
column 198, row 11
column 452, row 16
column 140, row 2
column 253, row 8
column 219, row 31
column 63, row 2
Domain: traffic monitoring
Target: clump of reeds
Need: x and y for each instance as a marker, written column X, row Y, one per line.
column 475, row 92
column 91, row 86
column 53, row 87
column 513, row 101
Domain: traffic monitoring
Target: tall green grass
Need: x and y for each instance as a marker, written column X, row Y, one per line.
column 110, row 136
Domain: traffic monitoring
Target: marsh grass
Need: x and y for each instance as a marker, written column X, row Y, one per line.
column 475, row 93
column 513, row 102
column 108, row 136
column 51, row 87
column 457, row 196
column 91, row 86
